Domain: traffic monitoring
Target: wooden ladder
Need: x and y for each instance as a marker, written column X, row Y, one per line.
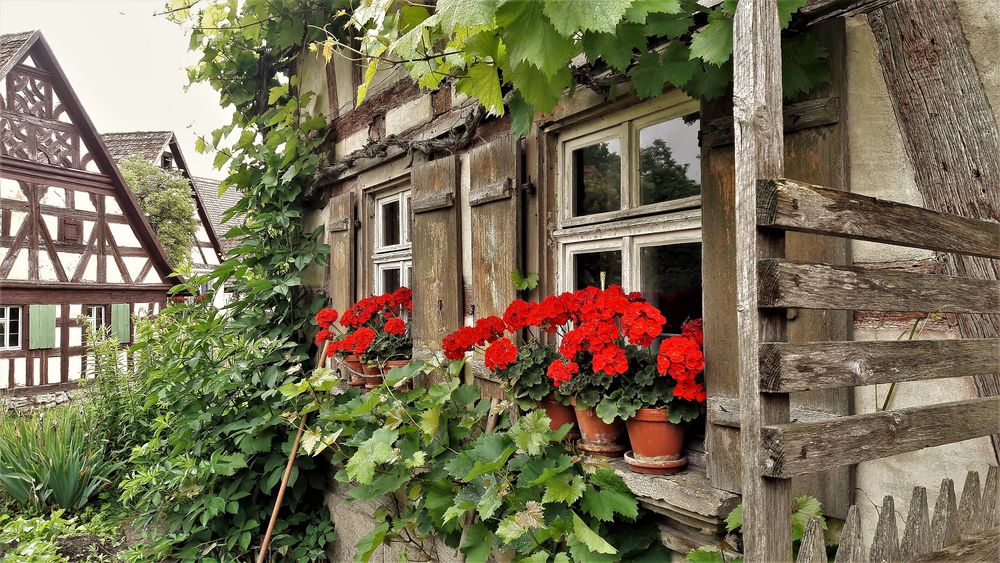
column 774, row 448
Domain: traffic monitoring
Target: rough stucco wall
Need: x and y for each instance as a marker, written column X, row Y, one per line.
column 879, row 167
column 981, row 23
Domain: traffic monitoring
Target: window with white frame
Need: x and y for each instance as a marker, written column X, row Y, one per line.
column 10, row 327
column 629, row 210
column 393, row 256
column 96, row 316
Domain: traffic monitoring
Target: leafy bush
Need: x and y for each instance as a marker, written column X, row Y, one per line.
column 467, row 475
column 115, row 396
column 49, row 460
column 219, row 442
column 165, row 198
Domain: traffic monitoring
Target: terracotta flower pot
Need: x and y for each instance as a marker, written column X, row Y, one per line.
column 397, row 364
column 599, row 437
column 354, row 369
column 560, row 414
column 657, row 443
column 372, row 376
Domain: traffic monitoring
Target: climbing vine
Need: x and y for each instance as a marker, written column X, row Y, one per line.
column 522, row 56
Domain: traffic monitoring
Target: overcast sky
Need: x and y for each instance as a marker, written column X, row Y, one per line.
column 126, row 65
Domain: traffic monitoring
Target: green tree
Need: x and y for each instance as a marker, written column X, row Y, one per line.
column 661, row 178
column 165, row 198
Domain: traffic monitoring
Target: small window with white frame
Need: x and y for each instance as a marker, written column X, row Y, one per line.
column 10, row 327
column 96, row 314
column 392, row 256
column 629, row 211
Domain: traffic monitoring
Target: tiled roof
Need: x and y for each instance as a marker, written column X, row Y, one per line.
column 147, row 144
column 11, row 43
column 216, row 205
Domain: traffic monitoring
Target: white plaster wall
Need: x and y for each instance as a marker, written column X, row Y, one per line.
column 351, row 143
column 19, row 270
column 82, row 201
column 111, row 206
column 124, row 235
column 314, row 80
column 54, row 196
column 880, row 167
column 413, row 113
column 981, row 23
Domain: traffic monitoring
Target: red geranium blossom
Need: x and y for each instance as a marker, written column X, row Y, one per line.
column 322, row 336
column 561, row 371
column 500, row 354
column 694, row 330
column 326, row 317
column 680, row 358
column 611, row 360
column 395, row 325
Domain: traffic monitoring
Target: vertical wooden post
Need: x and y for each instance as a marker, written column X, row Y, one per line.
column 757, row 114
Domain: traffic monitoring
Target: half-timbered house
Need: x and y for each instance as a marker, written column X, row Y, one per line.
column 162, row 149
column 74, row 243
column 421, row 189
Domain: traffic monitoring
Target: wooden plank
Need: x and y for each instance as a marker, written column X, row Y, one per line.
column 797, row 116
column 991, row 498
column 496, row 226
column 813, row 547
column 944, row 524
column 725, row 411
column 852, row 546
column 437, row 255
column 816, row 11
column 984, row 546
column 950, row 132
column 64, row 343
column 797, row 206
column 969, row 520
column 885, row 544
column 820, row 286
column 805, row 447
column 789, row 367
column 340, row 237
column 917, row 533
column 689, row 491
column 759, row 154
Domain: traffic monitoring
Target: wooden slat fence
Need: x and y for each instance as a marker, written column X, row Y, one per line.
column 954, row 528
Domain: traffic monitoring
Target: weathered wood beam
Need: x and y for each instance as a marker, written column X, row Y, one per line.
column 797, row 206
column 789, row 367
column 806, row 447
column 757, row 115
column 726, row 412
column 816, row 11
column 797, row 116
column 819, row 286
column 949, row 131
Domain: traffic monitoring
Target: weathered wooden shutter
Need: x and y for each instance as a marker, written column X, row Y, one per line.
column 41, row 326
column 495, row 202
column 121, row 322
column 437, row 254
column 340, row 237
column 815, row 148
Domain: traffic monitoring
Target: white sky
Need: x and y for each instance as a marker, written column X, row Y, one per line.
column 126, row 65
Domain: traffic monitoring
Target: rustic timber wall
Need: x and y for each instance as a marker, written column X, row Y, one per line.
column 879, row 166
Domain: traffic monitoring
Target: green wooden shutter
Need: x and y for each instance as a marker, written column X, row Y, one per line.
column 121, row 322
column 41, row 326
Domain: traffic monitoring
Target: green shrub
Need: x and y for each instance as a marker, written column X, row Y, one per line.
column 51, row 460
column 115, row 396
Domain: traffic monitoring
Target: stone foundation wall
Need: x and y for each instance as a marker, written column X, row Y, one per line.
column 40, row 399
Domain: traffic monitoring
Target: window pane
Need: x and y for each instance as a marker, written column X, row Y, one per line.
column 390, row 280
column 390, row 223
column 408, row 217
column 670, row 279
column 589, row 267
column 597, row 178
column 669, row 161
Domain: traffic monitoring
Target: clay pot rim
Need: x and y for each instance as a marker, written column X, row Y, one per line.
column 398, row 363
column 654, row 467
column 659, row 414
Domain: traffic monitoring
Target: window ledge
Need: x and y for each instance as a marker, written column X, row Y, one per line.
column 688, row 493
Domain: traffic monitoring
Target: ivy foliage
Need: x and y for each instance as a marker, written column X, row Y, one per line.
column 165, row 198
column 462, row 473
column 522, row 56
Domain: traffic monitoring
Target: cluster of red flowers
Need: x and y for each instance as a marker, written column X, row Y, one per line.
column 362, row 322
column 500, row 354
column 681, row 358
column 561, row 371
column 486, row 330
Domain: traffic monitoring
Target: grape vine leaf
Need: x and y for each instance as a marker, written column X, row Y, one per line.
column 670, row 26
column 647, row 76
column 538, row 89
column 366, row 545
column 802, row 65
column 570, row 16
column 522, row 115
column 640, row 9
column 465, row 13
column 714, row 42
column 590, row 538
column 616, row 48
column 613, row 497
column 564, row 488
column 482, row 82
column 478, row 544
column 530, row 37
column 373, row 451
column 531, row 434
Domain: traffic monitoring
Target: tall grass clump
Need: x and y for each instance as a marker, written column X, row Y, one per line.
column 48, row 460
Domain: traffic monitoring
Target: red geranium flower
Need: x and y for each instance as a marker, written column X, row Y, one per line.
column 694, row 330
column 561, row 371
column 322, row 336
column 404, row 297
column 395, row 326
column 680, row 357
column 500, row 354
column 611, row 360
column 326, row 317
column 361, row 339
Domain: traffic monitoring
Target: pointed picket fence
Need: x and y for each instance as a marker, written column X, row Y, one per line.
column 952, row 522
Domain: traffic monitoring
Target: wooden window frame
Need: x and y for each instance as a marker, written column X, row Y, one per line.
column 381, row 257
column 624, row 125
column 5, row 327
column 104, row 315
